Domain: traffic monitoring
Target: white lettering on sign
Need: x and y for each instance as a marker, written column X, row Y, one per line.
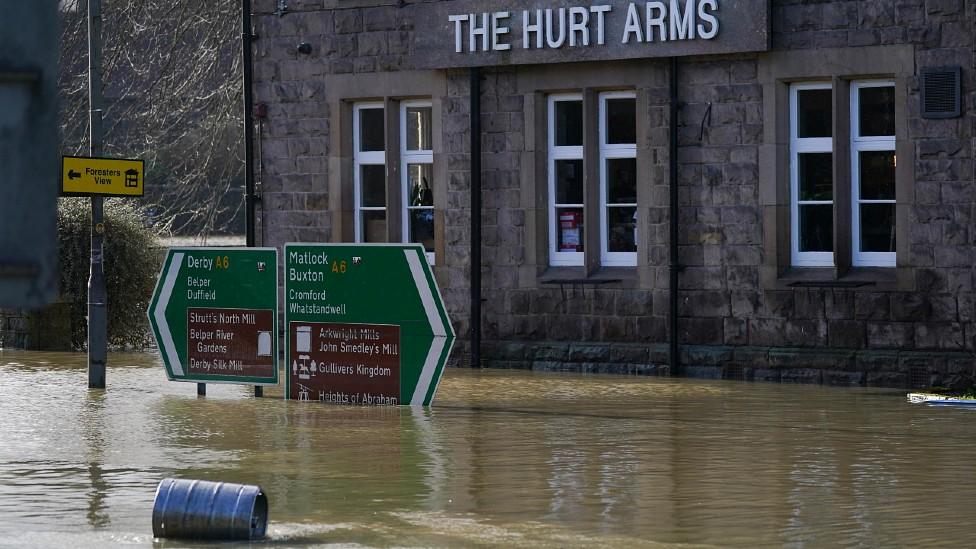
column 529, row 28
column 708, row 18
column 205, row 263
column 656, row 12
column 308, row 275
column 477, row 31
column 582, row 26
column 632, row 26
column 201, row 295
column 497, row 30
column 554, row 40
column 309, row 258
column 579, row 19
column 194, row 282
column 488, row 29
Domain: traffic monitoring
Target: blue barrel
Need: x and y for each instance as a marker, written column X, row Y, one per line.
column 198, row 509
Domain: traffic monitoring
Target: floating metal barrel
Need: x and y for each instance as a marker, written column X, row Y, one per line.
column 198, row 509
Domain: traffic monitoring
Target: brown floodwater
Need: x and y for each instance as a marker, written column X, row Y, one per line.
column 504, row 458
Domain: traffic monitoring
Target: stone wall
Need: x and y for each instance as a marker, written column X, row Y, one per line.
column 919, row 330
column 44, row 329
column 14, row 329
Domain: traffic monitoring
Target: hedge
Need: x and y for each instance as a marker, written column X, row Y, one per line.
column 132, row 262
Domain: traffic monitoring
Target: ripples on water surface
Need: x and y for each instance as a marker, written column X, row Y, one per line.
column 511, row 459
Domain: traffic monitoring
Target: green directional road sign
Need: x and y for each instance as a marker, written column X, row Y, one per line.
column 214, row 314
column 366, row 324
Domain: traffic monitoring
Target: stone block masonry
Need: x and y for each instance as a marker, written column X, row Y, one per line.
column 14, row 329
column 744, row 312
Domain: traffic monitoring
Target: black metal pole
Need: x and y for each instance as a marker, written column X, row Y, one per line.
column 475, row 217
column 249, row 196
column 673, row 351
column 97, row 295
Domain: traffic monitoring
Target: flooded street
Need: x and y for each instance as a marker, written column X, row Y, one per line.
column 513, row 459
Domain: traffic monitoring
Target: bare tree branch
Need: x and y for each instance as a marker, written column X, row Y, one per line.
column 172, row 73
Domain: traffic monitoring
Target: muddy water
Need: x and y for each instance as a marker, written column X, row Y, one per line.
column 509, row 459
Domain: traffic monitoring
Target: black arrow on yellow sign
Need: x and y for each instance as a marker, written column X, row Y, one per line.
column 109, row 176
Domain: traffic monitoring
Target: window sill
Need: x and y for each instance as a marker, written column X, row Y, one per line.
column 857, row 278
column 605, row 277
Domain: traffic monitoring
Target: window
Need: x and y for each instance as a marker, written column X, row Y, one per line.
column 618, row 179
column 369, row 172
column 873, row 173
column 417, row 174
column 862, row 122
column 613, row 213
column 393, row 175
column 566, row 235
column 872, row 176
column 811, row 174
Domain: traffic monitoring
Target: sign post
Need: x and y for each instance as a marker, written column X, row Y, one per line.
column 97, row 178
column 214, row 315
column 365, row 325
column 97, row 293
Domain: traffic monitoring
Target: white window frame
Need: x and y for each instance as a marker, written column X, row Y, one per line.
column 608, row 152
column 360, row 159
column 556, row 257
column 799, row 146
column 407, row 157
column 859, row 144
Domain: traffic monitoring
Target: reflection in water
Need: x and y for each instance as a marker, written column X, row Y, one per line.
column 93, row 426
column 431, row 444
column 505, row 458
column 97, row 515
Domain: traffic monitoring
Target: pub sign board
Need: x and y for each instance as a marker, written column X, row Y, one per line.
column 470, row 33
column 365, row 325
column 214, row 314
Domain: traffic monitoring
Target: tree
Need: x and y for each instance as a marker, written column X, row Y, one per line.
column 171, row 72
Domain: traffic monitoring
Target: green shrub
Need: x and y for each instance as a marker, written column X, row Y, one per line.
column 132, row 262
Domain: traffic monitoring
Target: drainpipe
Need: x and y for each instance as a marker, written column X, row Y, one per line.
column 249, row 196
column 248, row 123
column 673, row 351
column 475, row 217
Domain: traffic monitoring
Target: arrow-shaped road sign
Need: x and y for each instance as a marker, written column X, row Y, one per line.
column 214, row 315
column 87, row 176
column 365, row 324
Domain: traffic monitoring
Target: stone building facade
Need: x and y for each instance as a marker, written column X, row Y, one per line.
column 825, row 221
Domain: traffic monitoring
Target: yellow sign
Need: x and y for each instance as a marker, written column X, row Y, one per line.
column 101, row 176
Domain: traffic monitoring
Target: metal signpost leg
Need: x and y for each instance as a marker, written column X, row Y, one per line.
column 97, row 326
column 96, row 303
